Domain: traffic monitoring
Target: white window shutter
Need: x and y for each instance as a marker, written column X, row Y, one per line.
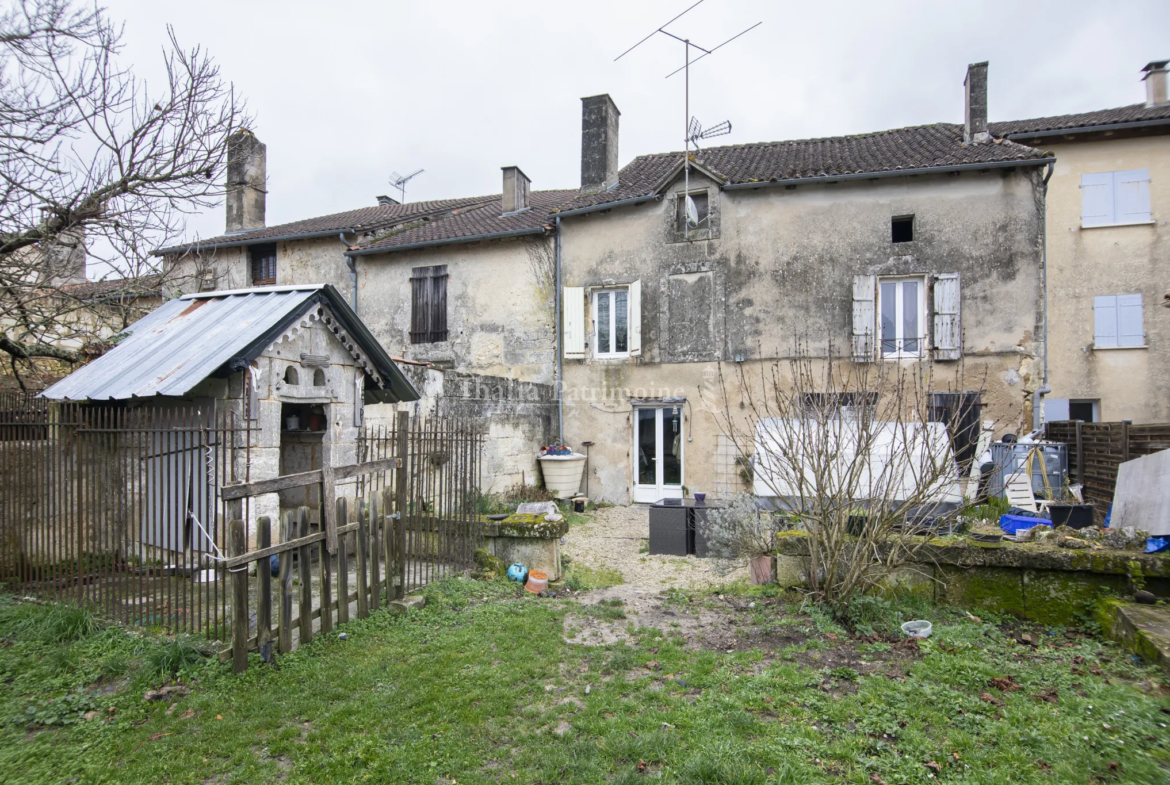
column 574, row 317
column 1131, row 196
column 1129, row 320
column 864, row 318
column 1097, row 199
column 635, row 301
column 1105, row 321
column 948, row 332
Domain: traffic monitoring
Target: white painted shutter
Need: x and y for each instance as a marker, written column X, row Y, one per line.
column 1131, row 196
column 1055, row 409
column 864, row 318
column 1105, row 321
column 635, row 301
column 574, row 317
column 948, row 333
column 1129, row 320
column 1097, row 199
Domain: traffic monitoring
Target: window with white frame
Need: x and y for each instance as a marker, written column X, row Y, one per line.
column 1115, row 198
column 611, row 322
column 902, row 316
column 1117, row 321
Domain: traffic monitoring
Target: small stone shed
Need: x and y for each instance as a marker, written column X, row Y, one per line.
column 294, row 365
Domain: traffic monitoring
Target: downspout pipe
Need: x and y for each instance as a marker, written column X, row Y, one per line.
column 560, row 338
column 351, row 263
column 1043, row 389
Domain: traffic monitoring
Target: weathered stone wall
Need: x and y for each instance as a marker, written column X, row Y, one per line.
column 778, row 271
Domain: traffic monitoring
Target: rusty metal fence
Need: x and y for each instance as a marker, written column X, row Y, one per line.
column 131, row 511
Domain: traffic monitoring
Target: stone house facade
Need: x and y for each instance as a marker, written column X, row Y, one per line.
column 1108, row 254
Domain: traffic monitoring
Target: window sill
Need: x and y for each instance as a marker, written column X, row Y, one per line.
column 1112, row 226
column 1119, row 348
column 610, row 357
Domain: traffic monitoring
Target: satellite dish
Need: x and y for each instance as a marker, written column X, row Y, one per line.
column 692, row 212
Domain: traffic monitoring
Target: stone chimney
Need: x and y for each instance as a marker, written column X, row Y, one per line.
column 515, row 189
column 975, row 119
column 387, row 201
column 599, row 142
column 246, row 181
column 1156, row 76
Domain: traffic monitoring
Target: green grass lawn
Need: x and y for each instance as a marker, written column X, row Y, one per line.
column 480, row 687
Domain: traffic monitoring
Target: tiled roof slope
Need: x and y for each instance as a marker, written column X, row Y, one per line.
column 482, row 219
column 919, row 147
column 1122, row 114
column 362, row 219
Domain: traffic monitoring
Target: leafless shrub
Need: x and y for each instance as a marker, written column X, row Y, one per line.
column 850, row 452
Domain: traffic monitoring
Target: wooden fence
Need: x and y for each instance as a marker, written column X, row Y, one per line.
column 1096, row 449
column 134, row 513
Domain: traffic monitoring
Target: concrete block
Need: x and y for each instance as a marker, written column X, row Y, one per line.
column 411, row 602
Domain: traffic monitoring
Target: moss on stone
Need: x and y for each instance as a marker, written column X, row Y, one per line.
column 489, row 563
column 532, row 526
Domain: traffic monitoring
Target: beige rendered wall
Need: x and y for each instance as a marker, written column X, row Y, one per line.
column 781, row 271
column 1083, row 263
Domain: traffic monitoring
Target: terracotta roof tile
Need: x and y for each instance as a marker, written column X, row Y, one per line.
column 1122, row 114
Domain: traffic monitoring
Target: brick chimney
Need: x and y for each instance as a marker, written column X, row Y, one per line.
column 975, row 119
column 1156, row 83
column 599, row 142
column 515, row 189
column 246, row 181
column 387, row 201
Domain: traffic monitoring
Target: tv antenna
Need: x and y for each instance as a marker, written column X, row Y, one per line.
column 399, row 181
column 694, row 131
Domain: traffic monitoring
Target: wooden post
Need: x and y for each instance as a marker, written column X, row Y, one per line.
column 377, row 518
column 305, row 557
column 284, row 581
column 342, row 566
column 1081, row 456
column 401, row 502
column 326, row 590
column 389, row 538
column 328, row 506
column 363, row 547
column 1125, row 439
column 263, row 584
column 238, row 544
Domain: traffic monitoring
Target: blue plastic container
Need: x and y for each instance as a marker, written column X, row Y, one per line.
column 518, row 572
column 1014, row 524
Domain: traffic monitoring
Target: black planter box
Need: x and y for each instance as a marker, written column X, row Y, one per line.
column 1074, row 516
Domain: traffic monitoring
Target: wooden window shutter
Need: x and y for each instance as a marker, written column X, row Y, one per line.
column 1129, row 320
column 864, row 318
column 1131, row 196
column 428, row 304
column 948, row 332
column 1097, row 199
column 635, row 318
column 1105, row 321
column 574, row 319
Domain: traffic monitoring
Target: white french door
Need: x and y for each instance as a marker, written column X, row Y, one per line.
column 658, row 453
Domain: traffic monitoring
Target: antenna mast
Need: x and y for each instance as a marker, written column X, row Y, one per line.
column 692, row 130
column 399, row 181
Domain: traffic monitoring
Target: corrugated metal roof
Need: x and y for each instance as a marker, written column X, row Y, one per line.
column 188, row 339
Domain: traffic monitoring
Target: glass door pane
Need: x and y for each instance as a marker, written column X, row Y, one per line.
column 672, row 446
column 910, row 316
column 647, row 455
column 604, row 343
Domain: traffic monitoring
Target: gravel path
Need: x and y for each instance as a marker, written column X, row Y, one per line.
column 613, row 538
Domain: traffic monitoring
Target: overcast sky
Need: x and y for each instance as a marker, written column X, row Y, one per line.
column 344, row 93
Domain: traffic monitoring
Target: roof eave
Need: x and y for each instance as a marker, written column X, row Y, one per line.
column 893, row 173
column 1086, row 129
column 253, row 241
column 606, row 205
column 471, row 238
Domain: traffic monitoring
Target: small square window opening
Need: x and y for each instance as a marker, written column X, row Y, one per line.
column 263, row 261
column 701, row 214
column 902, row 229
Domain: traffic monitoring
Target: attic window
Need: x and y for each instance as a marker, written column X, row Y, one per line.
column 680, row 217
column 263, row 259
column 902, row 229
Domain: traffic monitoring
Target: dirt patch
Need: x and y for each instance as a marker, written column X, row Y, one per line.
column 733, row 624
